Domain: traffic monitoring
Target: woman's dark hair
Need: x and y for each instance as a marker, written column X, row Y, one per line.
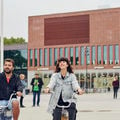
column 69, row 68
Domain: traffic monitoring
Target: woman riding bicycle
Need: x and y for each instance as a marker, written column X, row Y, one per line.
column 63, row 83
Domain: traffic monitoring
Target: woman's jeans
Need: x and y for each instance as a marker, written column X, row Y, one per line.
column 36, row 95
column 115, row 89
column 71, row 111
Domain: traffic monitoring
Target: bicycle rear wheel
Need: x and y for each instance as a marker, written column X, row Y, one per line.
column 8, row 118
column 64, row 118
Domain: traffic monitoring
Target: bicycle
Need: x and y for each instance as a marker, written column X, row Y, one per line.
column 64, row 112
column 5, row 112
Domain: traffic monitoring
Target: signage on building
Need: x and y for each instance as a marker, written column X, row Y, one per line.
column 99, row 67
column 43, row 69
column 116, row 67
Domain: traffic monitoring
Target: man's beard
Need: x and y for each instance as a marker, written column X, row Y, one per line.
column 8, row 72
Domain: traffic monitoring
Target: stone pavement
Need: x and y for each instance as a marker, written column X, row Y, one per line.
column 93, row 106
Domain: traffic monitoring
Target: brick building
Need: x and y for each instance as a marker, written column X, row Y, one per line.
column 90, row 39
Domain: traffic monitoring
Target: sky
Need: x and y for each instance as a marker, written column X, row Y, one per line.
column 16, row 12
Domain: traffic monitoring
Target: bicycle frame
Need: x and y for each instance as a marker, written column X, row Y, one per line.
column 65, row 114
column 5, row 113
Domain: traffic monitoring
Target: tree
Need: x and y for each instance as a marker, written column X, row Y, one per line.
column 12, row 40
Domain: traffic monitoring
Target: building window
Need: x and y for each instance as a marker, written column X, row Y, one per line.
column 35, row 57
column 93, row 55
column 76, row 55
column 61, row 52
column 116, row 54
column 110, row 54
column 24, row 58
column 19, row 56
column 66, row 52
column 71, row 55
column 45, row 56
column 82, row 55
column 40, row 52
column 31, row 56
column 55, row 54
column 99, row 55
column 87, row 53
column 104, row 54
column 50, row 56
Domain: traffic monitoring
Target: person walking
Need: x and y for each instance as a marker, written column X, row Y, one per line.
column 22, row 78
column 9, row 83
column 37, row 84
column 63, row 83
column 115, row 85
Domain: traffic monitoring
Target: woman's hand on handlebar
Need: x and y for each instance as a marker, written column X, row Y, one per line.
column 80, row 91
column 47, row 90
column 19, row 93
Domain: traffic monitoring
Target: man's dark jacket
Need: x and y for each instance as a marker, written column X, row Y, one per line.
column 39, row 81
column 7, row 88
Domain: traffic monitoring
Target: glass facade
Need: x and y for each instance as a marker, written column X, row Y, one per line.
column 31, row 56
column 104, row 54
column 61, row 52
column 55, row 56
column 20, row 58
column 76, row 55
column 82, row 55
column 110, row 53
column 50, row 56
column 117, row 54
column 99, row 55
column 35, row 57
column 66, row 52
column 40, row 56
column 45, row 57
column 93, row 55
column 87, row 55
column 71, row 55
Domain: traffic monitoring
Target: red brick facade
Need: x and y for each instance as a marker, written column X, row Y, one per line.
column 64, row 30
column 104, row 26
column 87, row 28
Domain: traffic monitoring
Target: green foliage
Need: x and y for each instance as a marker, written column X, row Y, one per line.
column 12, row 40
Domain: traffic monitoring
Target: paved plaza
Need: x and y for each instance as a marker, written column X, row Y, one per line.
column 93, row 106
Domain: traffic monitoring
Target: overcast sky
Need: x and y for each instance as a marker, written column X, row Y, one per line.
column 16, row 12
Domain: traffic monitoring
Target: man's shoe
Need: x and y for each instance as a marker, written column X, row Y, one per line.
column 38, row 105
column 22, row 106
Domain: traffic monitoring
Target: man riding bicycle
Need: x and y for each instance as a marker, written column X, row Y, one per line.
column 10, row 82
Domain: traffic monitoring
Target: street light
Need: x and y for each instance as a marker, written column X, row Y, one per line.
column 1, row 39
column 86, row 54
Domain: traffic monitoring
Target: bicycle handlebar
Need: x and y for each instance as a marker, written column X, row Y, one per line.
column 13, row 93
column 64, row 106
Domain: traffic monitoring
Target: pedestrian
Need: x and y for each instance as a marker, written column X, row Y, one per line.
column 37, row 84
column 63, row 83
column 115, row 85
column 9, row 83
column 22, row 78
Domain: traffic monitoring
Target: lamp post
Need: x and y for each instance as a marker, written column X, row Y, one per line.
column 86, row 54
column 1, row 39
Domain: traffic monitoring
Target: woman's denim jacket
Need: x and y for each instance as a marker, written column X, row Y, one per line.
column 66, row 86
